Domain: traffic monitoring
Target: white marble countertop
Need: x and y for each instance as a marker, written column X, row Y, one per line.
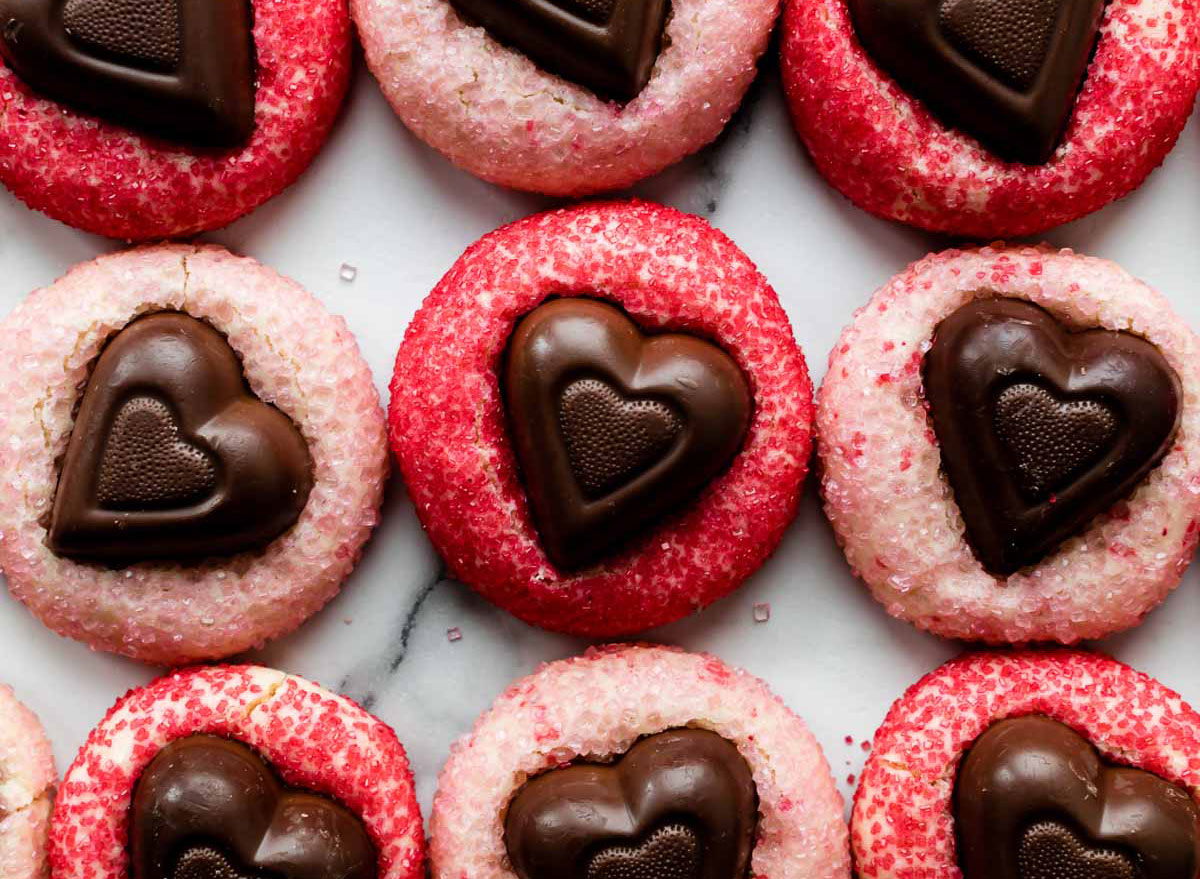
column 379, row 200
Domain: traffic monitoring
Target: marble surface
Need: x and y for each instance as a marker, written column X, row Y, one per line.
column 380, row 201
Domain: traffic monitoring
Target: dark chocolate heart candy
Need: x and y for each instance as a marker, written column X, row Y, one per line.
column 1041, row 429
column 175, row 69
column 678, row 805
column 1005, row 72
column 612, row 428
column 210, row 808
column 1033, row 800
column 608, row 46
column 172, row 456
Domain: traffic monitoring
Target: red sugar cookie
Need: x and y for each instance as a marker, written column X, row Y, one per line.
column 903, row 821
column 668, row 272
column 312, row 739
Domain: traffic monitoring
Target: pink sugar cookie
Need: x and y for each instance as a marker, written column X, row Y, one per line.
column 595, row 707
column 908, row 166
column 312, row 738
column 903, row 820
column 894, row 511
column 295, row 356
column 27, row 781
column 668, row 271
column 496, row 114
column 107, row 179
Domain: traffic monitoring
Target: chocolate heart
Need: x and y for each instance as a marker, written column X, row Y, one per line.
column 608, row 46
column 176, row 69
column 172, row 456
column 1034, row 801
column 613, row 429
column 1041, row 429
column 1005, row 72
column 678, row 805
column 211, row 808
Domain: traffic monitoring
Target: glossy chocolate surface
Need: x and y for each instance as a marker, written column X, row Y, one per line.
column 608, row 46
column 613, row 428
column 1042, row 429
column 182, row 70
column 1005, row 72
column 678, row 805
column 210, row 808
column 1033, row 800
column 172, row 456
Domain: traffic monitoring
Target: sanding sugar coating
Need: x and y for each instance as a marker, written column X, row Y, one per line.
column 26, row 792
column 668, row 271
column 902, row 822
column 107, row 179
column 494, row 113
column 893, row 510
column 908, row 166
column 595, row 707
column 312, row 738
column 295, row 355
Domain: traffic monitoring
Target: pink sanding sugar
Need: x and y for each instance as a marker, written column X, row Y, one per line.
column 893, row 510
column 494, row 113
column 296, row 356
column 888, row 155
column 903, row 822
column 106, row 179
column 596, row 706
column 314, row 739
column 668, row 271
column 27, row 781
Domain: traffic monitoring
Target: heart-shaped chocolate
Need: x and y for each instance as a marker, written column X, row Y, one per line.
column 211, row 808
column 608, row 46
column 678, row 805
column 1005, row 72
column 1033, row 800
column 172, row 456
column 176, row 69
column 1041, row 429
column 612, row 428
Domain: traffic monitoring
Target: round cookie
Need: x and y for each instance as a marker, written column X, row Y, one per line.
column 916, row 522
column 670, row 276
column 921, row 790
column 329, row 771
column 27, row 792
column 199, row 441
column 157, row 121
column 620, row 111
column 917, row 156
column 594, row 709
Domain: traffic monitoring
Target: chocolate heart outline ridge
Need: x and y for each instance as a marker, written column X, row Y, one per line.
column 1055, row 774
column 207, row 103
column 1005, row 531
column 192, row 795
column 264, row 468
column 564, row 339
column 559, row 820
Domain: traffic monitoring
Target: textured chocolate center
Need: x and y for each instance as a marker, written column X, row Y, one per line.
column 671, row 852
column 141, row 33
column 206, row 863
column 595, row 11
column 611, row 440
column 1050, row 850
column 1009, row 38
column 146, row 466
column 1051, row 440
